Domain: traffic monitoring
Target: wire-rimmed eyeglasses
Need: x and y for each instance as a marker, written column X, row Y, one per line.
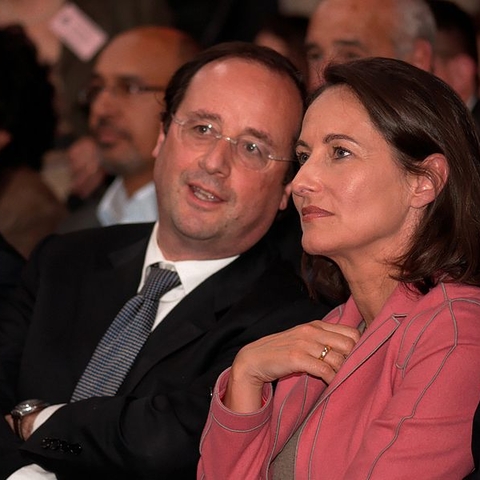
column 122, row 88
column 201, row 135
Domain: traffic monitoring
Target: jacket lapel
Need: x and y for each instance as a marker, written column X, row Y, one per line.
column 108, row 285
column 371, row 342
column 199, row 311
column 386, row 323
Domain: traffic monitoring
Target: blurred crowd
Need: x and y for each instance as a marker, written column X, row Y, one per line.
column 121, row 112
column 49, row 56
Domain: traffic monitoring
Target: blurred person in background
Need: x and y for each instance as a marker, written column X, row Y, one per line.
column 342, row 30
column 71, row 71
column 29, row 210
column 456, row 52
column 286, row 35
column 85, row 28
column 125, row 94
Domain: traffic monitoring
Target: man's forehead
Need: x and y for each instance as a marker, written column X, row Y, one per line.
column 372, row 33
column 230, row 81
column 226, row 67
column 138, row 55
column 243, row 75
column 360, row 8
column 351, row 18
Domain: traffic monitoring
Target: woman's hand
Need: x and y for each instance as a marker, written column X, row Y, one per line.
column 316, row 348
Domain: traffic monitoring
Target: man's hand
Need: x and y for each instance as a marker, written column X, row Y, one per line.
column 26, row 424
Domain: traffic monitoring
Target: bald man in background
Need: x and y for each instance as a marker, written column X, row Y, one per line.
column 342, row 30
column 124, row 94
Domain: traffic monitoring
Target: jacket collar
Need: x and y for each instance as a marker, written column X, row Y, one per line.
column 395, row 310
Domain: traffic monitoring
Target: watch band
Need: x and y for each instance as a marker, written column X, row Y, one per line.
column 24, row 409
column 17, row 425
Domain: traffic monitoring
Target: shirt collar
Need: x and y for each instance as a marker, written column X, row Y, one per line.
column 191, row 272
column 116, row 207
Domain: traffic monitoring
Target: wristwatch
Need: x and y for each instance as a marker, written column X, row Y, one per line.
column 23, row 409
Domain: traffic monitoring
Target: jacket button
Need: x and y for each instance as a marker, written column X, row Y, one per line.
column 75, row 448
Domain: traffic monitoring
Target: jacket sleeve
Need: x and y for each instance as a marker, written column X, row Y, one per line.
column 14, row 324
column 247, row 437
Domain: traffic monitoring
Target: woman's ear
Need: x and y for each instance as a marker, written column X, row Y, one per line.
column 429, row 184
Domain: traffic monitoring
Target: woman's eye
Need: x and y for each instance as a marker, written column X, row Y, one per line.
column 301, row 157
column 340, row 152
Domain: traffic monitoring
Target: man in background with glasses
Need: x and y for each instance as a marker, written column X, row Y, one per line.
column 124, row 96
column 222, row 174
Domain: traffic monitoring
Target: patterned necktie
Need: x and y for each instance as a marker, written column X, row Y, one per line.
column 119, row 346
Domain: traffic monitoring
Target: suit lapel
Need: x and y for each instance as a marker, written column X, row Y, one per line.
column 113, row 279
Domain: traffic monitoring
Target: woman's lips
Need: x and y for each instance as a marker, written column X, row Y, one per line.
column 311, row 213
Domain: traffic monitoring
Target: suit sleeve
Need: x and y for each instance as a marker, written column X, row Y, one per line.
column 15, row 308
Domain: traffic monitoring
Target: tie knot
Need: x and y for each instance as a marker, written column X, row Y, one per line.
column 158, row 282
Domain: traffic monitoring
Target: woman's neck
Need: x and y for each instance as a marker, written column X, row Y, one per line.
column 370, row 286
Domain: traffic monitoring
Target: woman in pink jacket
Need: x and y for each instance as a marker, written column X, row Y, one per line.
column 385, row 387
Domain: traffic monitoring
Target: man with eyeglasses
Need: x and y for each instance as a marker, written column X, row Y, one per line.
column 222, row 173
column 123, row 97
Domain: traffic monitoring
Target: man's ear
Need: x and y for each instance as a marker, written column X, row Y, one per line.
column 462, row 70
column 287, row 191
column 428, row 185
column 422, row 55
column 160, row 140
column 5, row 138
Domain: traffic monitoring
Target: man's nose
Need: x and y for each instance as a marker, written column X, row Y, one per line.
column 217, row 160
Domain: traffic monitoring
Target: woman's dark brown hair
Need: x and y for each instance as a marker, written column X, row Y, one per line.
column 418, row 115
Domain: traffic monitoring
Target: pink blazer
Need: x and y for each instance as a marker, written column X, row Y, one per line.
column 401, row 406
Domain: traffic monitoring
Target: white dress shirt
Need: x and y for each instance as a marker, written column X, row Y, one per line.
column 191, row 272
column 116, row 207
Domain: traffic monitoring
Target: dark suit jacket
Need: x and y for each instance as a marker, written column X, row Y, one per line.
column 11, row 264
column 73, row 288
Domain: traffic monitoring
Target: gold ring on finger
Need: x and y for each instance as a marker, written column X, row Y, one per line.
column 324, row 353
